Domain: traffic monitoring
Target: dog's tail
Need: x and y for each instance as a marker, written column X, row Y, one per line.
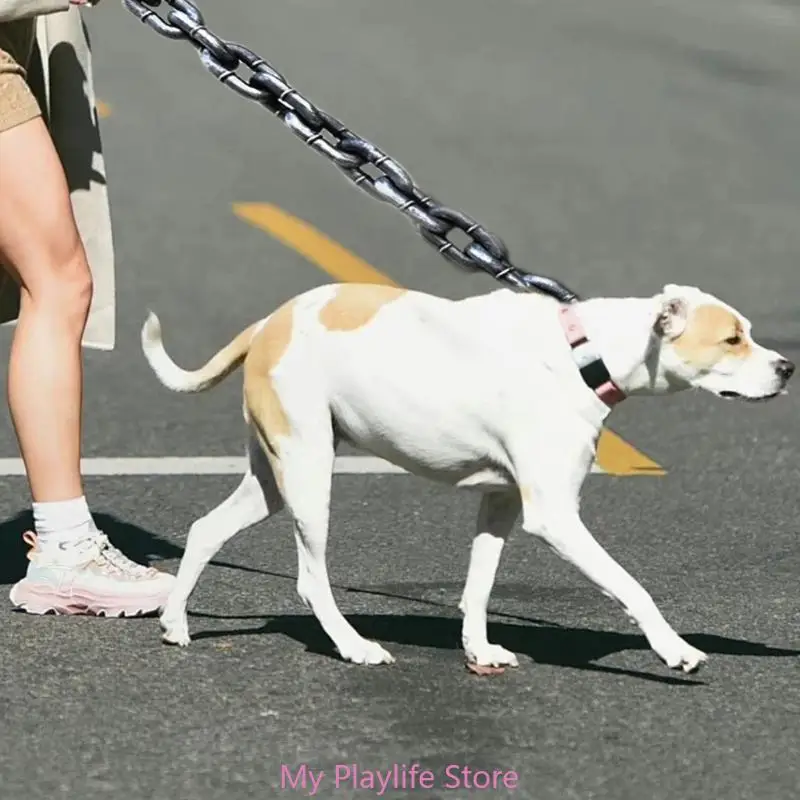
column 218, row 367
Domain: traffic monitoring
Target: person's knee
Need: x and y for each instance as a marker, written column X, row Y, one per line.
column 64, row 287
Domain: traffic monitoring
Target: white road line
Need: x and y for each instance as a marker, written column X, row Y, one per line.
column 209, row 465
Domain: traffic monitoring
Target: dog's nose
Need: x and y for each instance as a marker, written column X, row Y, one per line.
column 785, row 369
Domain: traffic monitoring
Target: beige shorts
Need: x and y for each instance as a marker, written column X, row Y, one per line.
column 17, row 101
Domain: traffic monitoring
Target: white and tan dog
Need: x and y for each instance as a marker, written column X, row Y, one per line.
column 505, row 393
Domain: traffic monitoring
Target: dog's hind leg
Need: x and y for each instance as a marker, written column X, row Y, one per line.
column 255, row 498
column 306, row 473
column 496, row 517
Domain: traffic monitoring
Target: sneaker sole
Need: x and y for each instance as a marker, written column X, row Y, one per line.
column 41, row 600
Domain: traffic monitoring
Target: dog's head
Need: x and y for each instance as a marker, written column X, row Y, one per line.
column 704, row 343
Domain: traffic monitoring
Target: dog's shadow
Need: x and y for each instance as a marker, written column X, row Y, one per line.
column 137, row 543
column 542, row 642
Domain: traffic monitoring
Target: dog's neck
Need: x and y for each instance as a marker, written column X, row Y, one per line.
column 621, row 330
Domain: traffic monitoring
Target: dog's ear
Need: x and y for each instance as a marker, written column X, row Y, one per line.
column 673, row 314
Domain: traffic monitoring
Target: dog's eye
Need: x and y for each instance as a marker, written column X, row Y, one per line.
column 733, row 340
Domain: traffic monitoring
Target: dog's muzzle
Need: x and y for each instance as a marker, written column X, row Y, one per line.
column 784, row 369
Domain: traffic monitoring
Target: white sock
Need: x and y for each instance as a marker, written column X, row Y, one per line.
column 66, row 519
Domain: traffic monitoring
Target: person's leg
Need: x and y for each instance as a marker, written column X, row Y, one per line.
column 39, row 240
column 73, row 568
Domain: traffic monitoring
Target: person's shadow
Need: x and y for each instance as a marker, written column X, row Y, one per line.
column 78, row 136
column 77, row 140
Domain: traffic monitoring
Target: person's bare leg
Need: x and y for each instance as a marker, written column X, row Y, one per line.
column 73, row 568
column 39, row 239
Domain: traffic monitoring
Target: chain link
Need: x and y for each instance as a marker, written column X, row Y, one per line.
column 368, row 167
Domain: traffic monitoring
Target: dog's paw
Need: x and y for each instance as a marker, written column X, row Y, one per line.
column 491, row 655
column 366, row 652
column 678, row 654
column 175, row 629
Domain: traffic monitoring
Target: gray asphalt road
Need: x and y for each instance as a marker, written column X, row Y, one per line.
column 619, row 145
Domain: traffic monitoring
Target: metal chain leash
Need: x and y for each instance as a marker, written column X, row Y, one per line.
column 360, row 161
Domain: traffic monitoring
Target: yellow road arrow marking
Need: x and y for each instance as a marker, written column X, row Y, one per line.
column 614, row 455
column 319, row 249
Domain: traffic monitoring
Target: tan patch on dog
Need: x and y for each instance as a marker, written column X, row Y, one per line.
column 262, row 401
column 525, row 494
column 355, row 304
column 711, row 333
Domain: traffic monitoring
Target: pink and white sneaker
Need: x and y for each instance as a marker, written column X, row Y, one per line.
column 89, row 576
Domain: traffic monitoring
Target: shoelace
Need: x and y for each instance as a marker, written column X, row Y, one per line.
column 121, row 561
column 99, row 548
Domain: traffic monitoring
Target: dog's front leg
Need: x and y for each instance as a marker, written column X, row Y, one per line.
column 497, row 515
column 553, row 516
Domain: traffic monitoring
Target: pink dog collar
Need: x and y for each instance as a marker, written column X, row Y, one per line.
column 593, row 371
